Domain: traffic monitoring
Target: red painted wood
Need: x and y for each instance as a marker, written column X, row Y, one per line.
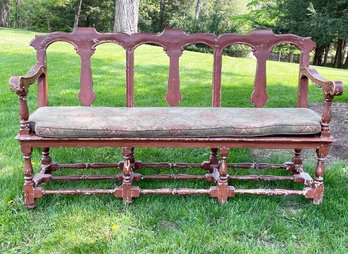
column 173, row 95
column 173, row 41
column 130, row 77
column 216, row 100
column 259, row 96
column 291, row 142
column 86, row 94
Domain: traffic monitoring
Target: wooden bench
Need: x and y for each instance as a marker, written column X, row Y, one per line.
column 216, row 128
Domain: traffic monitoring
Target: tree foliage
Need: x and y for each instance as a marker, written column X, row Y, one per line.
column 325, row 21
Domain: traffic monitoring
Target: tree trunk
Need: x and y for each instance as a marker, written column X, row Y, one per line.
column 77, row 14
column 318, row 56
column 16, row 21
column 198, row 9
column 345, row 65
column 4, row 13
column 327, row 49
column 126, row 16
column 338, row 62
column 291, row 57
column 162, row 16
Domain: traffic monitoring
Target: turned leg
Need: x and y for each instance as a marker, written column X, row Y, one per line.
column 127, row 166
column 126, row 191
column 29, row 199
column 213, row 159
column 316, row 190
column 297, row 167
column 132, row 159
column 46, row 160
column 222, row 191
column 318, row 184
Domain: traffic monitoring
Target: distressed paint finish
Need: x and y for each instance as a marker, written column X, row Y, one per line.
column 259, row 96
column 222, row 191
column 86, row 94
column 173, row 41
column 28, row 176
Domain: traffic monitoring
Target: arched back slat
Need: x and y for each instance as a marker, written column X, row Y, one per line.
column 173, row 41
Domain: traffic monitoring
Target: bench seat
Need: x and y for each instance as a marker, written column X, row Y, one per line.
column 130, row 122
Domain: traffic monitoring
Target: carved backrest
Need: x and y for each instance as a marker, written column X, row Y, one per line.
column 173, row 41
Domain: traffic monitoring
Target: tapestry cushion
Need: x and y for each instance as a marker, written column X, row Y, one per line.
column 146, row 122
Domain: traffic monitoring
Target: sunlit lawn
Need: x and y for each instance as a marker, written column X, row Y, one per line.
column 158, row 224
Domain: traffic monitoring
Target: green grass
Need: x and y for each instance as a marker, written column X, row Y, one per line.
column 158, row 224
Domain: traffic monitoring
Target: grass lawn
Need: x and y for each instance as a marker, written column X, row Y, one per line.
column 159, row 224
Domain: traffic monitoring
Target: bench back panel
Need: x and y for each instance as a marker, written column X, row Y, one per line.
column 173, row 42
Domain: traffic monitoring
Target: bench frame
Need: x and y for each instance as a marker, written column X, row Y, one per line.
column 173, row 41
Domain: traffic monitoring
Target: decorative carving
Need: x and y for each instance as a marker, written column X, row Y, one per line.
column 173, row 95
column 296, row 167
column 29, row 199
column 330, row 87
column 86, row 94
column 126, row 190
column 222, row 191
column 46, row 160
column 173, row 41
column 259, row 96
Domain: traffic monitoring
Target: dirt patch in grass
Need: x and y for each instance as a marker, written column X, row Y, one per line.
column 339, row 130
column 338, row 127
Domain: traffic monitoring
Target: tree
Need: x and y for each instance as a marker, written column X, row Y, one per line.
column 198, row 9
column 126, row 16
column 4, row 13
column 77, row 15
column 325, row 21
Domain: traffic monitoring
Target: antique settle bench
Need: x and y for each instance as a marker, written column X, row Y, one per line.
column 219, row 129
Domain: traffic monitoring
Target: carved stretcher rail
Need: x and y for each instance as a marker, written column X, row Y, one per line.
column 139, row 165
column 175, row 191
column 174, row 177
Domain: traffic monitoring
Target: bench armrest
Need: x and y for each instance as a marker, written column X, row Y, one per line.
column 333, row 88
column 330, row 90
column 20, row 85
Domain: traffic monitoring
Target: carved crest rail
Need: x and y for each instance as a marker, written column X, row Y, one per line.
column 173, row 41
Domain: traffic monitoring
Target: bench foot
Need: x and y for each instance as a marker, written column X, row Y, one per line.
column 222, row 192
column 318, row 193
column 127, row 192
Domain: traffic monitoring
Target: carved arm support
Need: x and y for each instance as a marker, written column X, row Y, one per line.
column 329, row 87
column 20, row 85
column 330, row 90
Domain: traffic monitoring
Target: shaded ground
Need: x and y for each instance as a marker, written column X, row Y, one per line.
column 339, row 130
column 338, row 127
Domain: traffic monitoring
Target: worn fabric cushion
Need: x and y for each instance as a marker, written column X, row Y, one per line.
column 67, row 122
